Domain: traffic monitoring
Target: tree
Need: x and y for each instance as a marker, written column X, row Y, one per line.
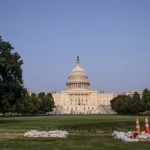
column 51, row 101
column 33, row 94
column 114, row 103
column 11, row 82
column 146, row 99
column 41, row 95
column 33, row 105
column 124, row 104
column 136, row 103
column 119, row 105
column 29, row 105
column 46, row 102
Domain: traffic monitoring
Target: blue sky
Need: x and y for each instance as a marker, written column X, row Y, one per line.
column 112, row 38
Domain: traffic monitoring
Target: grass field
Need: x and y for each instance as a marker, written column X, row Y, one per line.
column 85, row 132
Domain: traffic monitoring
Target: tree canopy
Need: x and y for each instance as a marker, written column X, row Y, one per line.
column 13, row 96
column 11, row 82
column 125, row 104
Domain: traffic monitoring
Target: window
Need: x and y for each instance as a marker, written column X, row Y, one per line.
column 86, row 102
column 76, row 102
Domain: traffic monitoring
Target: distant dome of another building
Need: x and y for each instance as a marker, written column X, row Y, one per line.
column 78, row 78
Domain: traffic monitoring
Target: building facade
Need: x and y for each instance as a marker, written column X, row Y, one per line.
column 78, row 98
column 131, row 93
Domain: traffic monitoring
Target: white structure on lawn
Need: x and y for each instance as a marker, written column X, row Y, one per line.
column 78, row 98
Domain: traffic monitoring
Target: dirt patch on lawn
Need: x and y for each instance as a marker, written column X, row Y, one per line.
column 10, row 135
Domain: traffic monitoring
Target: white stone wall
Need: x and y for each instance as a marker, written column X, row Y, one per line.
column 81, row 110
column 82, row 102
column 105, row 98
column 56, row 97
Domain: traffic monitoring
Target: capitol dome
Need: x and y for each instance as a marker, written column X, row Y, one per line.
column 78, row 78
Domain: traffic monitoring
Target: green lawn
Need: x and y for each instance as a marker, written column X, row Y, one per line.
column 12, row 129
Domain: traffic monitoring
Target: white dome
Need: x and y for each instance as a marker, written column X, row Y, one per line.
column 78, row 70
column 78, row 78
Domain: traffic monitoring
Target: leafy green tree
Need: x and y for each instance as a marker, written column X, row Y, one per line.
column 119, row 105
column 11, row 82
column 33, row 94
column 126, row 101
column 34, row 105
column 146, row 99
column 30, row 105
column 20, row 107
column 51, row 101
column 41, row 95
column 135, row 105
column 46, row 102
column 123, row 104
column 114, row 103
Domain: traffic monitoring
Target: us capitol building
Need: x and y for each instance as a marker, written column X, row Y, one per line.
column 78, row 98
